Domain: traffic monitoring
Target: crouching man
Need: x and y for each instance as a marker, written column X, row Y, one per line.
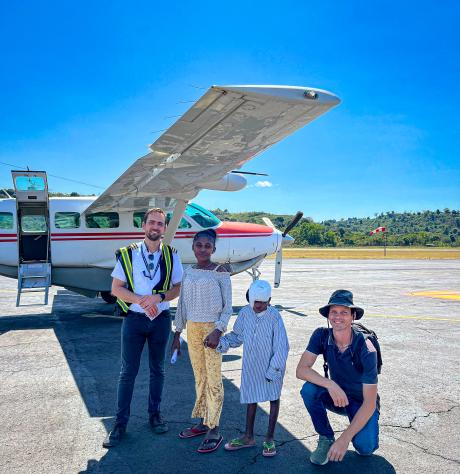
column 352, row 387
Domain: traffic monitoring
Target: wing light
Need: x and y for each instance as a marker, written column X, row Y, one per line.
column 309, row 94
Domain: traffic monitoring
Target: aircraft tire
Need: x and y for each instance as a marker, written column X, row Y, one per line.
column 108, row 297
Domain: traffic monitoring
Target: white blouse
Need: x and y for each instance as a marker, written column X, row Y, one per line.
column 205, row 297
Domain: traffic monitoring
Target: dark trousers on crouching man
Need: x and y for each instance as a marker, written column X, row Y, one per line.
column 317, row 401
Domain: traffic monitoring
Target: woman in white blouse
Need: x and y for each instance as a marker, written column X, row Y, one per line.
column 205, row 307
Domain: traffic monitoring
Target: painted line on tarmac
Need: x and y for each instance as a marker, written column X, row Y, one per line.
column 100, row 315
column 423, row 318
column 439, row 294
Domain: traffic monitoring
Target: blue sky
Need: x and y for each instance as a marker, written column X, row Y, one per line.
column 86, row 84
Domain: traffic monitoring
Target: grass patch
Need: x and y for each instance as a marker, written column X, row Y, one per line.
column 399, row 253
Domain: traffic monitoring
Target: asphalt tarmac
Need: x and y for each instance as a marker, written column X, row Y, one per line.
column 60, row 364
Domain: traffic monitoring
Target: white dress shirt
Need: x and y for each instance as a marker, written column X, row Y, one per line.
column 143, row 285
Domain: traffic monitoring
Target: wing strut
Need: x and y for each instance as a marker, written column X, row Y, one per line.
column 175, row 220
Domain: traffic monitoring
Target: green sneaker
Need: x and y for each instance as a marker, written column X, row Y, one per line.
column 319, row 455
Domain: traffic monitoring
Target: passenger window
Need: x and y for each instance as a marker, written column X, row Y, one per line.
column 6, row 220
column 137, row 219
column 102, row 220
column 33, row 224
column 67, row 220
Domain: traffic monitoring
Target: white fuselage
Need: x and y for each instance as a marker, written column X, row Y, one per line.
column 94, row 248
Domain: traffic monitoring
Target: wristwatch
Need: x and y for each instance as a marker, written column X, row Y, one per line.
column 162, row 296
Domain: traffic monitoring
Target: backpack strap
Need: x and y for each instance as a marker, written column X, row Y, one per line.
column 324, row 341
column 356, row 354
column 372, row 336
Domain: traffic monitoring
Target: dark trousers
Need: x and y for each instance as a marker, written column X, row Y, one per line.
column 317, row 400
column 135, row 330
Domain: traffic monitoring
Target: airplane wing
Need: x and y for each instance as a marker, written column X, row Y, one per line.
column 223, row 130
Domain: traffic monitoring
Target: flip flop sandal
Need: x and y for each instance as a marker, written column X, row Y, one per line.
column 236, row 444
column 210, row 445
column 269, row 449
column 192, row 432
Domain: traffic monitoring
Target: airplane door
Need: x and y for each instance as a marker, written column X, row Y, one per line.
column 33, row 224
column 32, row 215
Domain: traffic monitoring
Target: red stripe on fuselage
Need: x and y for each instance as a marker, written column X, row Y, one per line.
column 77, row 239
column 226, row 230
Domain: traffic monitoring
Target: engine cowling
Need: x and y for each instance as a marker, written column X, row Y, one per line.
column 229, row 182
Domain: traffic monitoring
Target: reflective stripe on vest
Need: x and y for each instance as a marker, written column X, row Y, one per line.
column 125, row 256
column 166, row 256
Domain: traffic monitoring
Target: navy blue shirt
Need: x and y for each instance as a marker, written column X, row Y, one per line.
column 342, row 370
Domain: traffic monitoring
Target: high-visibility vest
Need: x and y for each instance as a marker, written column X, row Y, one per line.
column 125, row 257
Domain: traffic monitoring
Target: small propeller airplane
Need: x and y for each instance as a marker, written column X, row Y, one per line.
column 70, row 242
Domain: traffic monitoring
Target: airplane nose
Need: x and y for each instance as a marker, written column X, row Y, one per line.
column 287, row 240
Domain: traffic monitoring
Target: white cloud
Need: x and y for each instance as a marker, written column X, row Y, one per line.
column 264, row 184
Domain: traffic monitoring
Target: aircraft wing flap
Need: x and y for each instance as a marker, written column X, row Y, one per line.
column 223, row 130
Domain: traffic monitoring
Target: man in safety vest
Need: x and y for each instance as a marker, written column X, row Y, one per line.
column 146, row 277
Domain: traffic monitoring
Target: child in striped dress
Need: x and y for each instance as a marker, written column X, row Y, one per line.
column 260, row 328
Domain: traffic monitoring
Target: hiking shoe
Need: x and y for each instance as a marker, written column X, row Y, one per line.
column 115, row 436
column 319, row 455
column 158, row 423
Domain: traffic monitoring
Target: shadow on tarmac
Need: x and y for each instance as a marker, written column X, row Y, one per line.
column 90, row 340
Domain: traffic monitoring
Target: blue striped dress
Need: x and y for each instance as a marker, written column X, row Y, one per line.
column 265, row 350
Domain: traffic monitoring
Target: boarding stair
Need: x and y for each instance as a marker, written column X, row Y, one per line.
column 33, row 233
column 33, row 278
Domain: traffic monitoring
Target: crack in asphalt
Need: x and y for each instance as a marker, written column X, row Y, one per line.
column 425, row 450
column 410, row 426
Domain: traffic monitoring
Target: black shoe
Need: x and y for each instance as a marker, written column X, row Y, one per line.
column 115, row 436
column 158, row 423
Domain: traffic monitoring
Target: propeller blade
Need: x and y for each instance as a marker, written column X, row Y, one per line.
column 278, row 265
column 268, row 222
column 249, row 172
column 293, row 223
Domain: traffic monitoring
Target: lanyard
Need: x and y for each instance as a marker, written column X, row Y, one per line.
column 147, row 266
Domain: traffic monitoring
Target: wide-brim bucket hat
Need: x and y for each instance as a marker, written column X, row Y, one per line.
column 342, row 298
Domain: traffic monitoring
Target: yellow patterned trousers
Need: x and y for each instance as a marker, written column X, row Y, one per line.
column 206, row 364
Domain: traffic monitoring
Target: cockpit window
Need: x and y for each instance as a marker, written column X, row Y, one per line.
column 201, row 216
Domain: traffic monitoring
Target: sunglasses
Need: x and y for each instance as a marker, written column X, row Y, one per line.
column 150, row 265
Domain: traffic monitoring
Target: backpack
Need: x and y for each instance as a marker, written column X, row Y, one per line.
column 368, row 334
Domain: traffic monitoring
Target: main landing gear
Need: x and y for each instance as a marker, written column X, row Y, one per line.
column 108, row 297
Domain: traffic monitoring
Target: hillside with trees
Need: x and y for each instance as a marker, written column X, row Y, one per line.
column 426, row 228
